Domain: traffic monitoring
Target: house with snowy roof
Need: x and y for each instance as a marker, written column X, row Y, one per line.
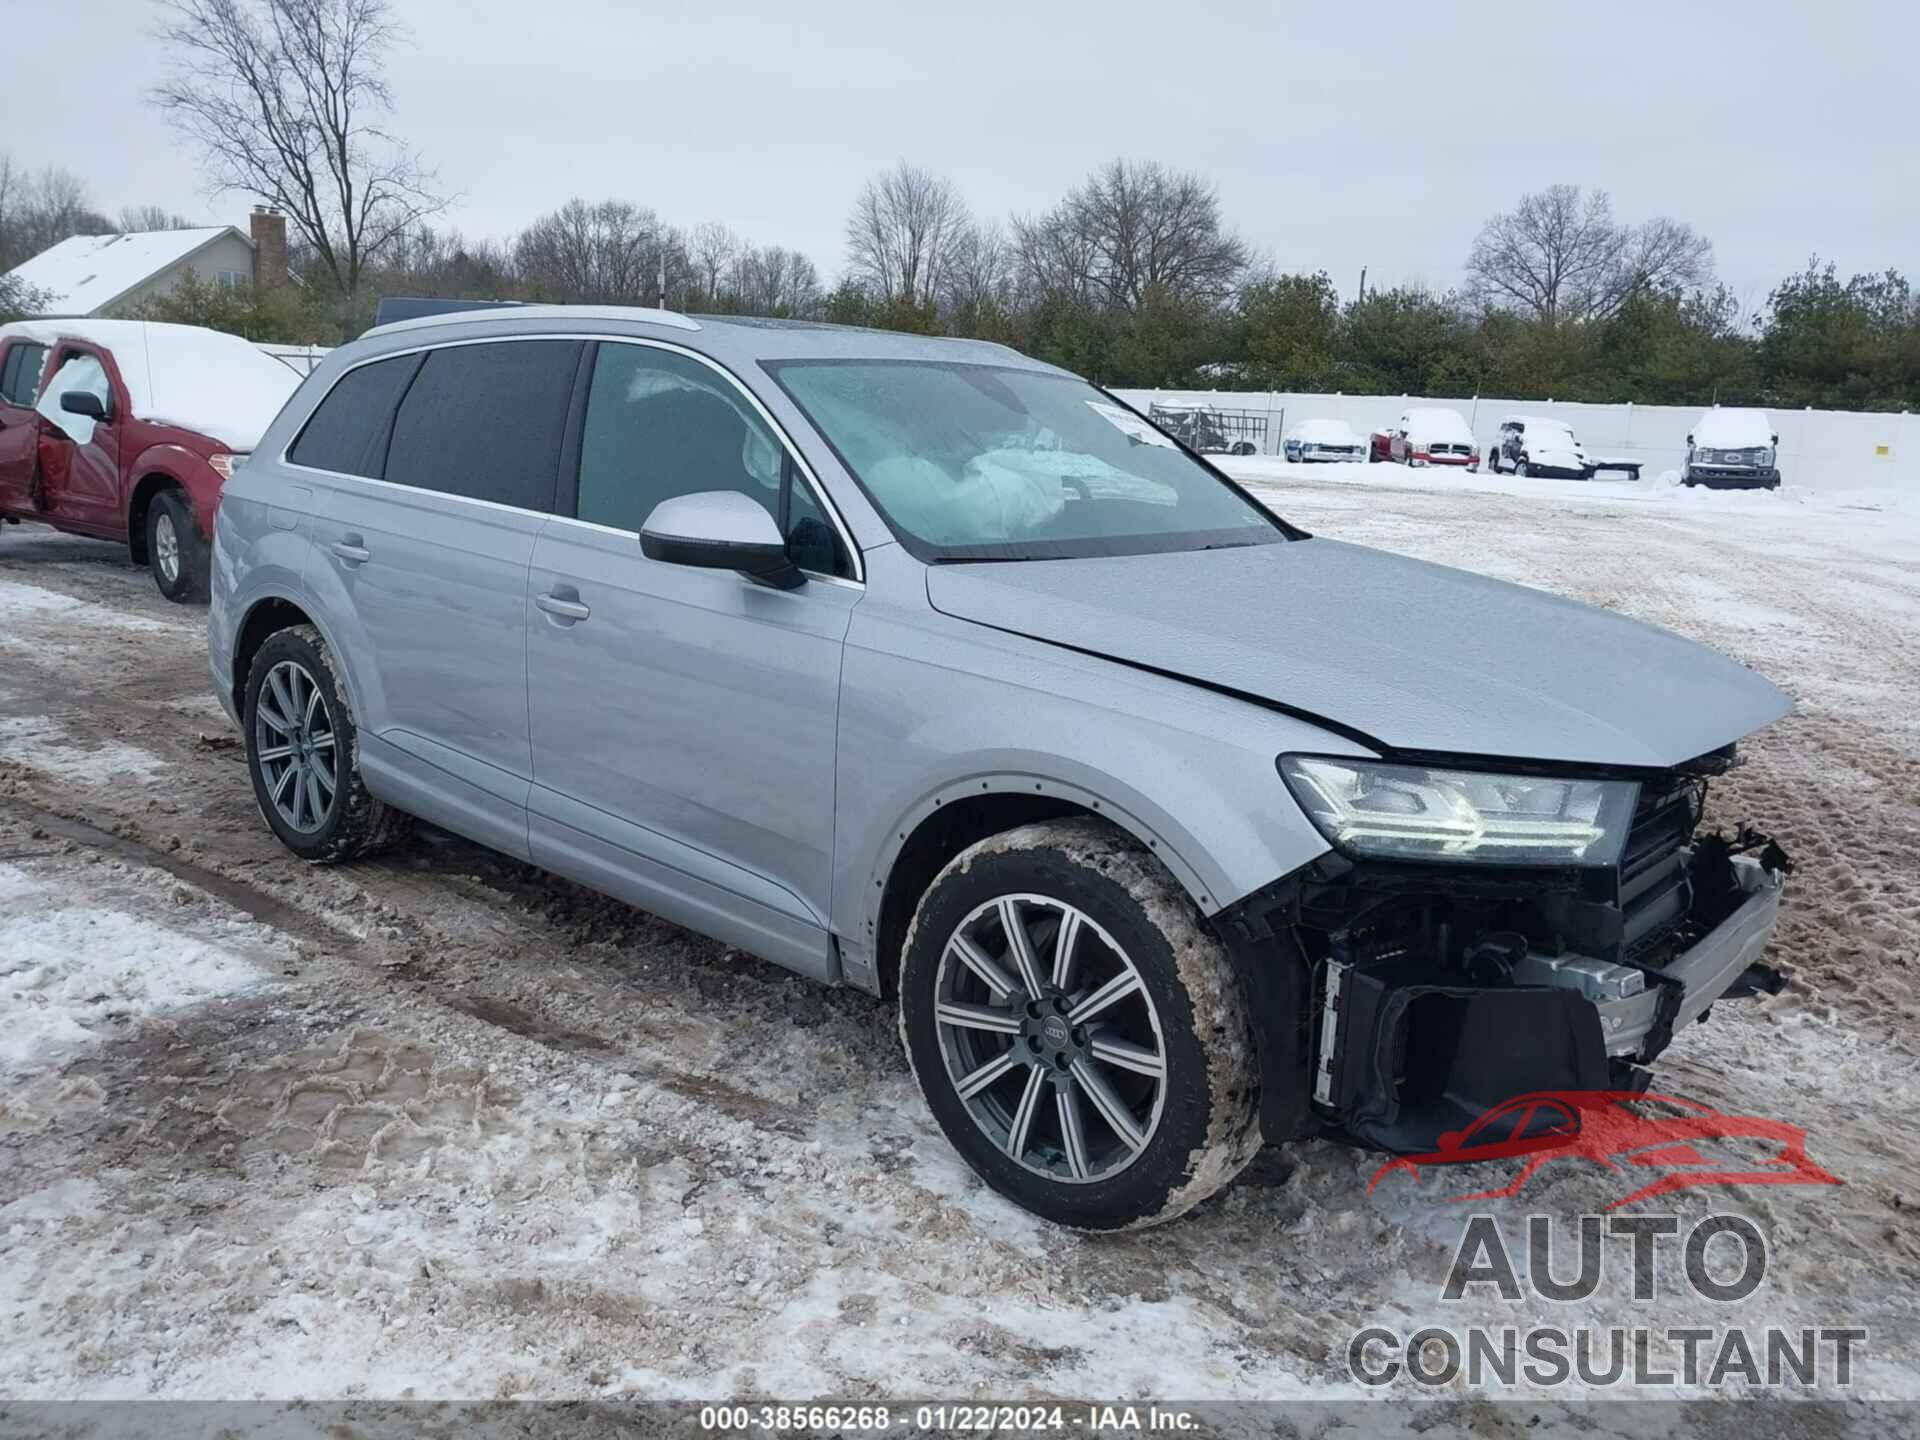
column 96, row 275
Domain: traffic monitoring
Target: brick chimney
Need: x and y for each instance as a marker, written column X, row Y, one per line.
column 269, row 234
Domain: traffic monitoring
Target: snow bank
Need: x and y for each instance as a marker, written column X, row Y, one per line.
column 219, row 385
column 69, row 977
column 1858, row 505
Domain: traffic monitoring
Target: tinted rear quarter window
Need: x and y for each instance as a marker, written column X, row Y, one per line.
column 486, row 421
column 342, row 434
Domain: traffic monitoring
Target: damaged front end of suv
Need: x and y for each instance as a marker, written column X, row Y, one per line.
column 1479, row 932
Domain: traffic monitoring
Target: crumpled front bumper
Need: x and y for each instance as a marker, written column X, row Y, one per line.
column 1703, row 973
column 1403, row 1053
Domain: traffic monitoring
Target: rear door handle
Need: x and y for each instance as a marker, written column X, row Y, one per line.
column 564, row 604
column 352, row 549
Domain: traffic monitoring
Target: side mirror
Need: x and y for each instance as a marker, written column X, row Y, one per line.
column 83, row 402
column 720, row 530
column 1689, row 439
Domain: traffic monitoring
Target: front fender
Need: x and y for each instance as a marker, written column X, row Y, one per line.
column 190, row 471
column 933, row 708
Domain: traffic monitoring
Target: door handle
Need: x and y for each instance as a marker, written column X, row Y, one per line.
column 352, row 549
column 564, row 605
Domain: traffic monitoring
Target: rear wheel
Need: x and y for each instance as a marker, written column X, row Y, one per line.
column 1520, row 467
column 303, row 754
column 175, row 553
column 1080, row 1035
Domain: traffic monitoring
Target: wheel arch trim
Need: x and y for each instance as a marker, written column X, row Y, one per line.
column 1027, row 784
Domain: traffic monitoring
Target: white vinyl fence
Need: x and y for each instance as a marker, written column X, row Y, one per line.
column 1827, row 449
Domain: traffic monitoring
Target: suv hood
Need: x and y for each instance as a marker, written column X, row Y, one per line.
column 1413, row 656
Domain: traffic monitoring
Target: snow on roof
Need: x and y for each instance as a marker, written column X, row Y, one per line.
column 1438, row 423
column 84, row 272
column 1324, row 432
column 1538, row 422
column 216, row 384
column 1733, row 429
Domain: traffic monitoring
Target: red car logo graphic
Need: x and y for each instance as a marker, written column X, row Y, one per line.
column 1690, row 1145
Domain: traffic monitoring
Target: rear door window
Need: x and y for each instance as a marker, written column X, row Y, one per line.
column 20, row 373
column 486, row 421
column 347, row 431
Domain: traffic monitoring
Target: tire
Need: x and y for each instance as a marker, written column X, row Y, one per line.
column 322, row 820
column 176, row 555
column 1194, row 1125
column 1520, row 468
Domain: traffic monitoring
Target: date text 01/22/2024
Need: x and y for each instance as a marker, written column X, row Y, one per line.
column 982, row 1417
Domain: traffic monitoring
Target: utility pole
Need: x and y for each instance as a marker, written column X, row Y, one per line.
column 1363, row 285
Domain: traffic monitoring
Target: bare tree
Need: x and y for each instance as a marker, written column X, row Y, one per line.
column 774, row 281
column 40, row 210
column 283, row 96
column 607, row 253
column 1560, row 255
column 711, row 249
column 1055, row 257
column 1132, row 231
column 138, row 219
column 901, row 234
column 979, row 270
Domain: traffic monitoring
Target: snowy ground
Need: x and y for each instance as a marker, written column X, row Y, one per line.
column 441, row 1126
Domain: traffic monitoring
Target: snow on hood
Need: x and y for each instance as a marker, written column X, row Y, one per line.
column 219, row 385
column 1733, row 430
column 1324, row 432
column 1418, row 656
column 1446, row 426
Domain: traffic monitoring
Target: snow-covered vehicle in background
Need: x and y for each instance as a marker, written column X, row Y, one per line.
column 1534, row 445
column 1735, row 449
column 1433, row 435
column 1212, row 431
column 127, row 430
column 1324, row 440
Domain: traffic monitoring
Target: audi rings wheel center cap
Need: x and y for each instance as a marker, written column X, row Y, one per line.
column 1055, row 1032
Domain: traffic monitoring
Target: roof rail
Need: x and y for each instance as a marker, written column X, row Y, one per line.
column 396, row 312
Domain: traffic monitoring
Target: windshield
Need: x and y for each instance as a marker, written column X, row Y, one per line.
column 980, row 462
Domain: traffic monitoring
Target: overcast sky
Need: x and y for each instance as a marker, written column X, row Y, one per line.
column 1339, row 135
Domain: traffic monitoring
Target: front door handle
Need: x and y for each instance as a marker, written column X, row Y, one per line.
column 352, row 549
column 564, row 604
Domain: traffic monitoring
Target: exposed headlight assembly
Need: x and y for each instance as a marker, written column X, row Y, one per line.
column 1410, row 812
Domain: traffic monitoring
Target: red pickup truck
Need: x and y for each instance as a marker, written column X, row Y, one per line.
column 126, row 430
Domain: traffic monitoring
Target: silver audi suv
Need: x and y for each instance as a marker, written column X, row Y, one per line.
column 921, row 666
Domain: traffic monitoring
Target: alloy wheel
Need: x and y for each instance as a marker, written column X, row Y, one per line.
column 166, row 547
column 295, row 744
column 1050, row 1038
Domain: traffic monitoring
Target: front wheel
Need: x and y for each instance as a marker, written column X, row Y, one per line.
column 303, row 754
column 175, row 553
column 1520, row 468
column 1081, row 1036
